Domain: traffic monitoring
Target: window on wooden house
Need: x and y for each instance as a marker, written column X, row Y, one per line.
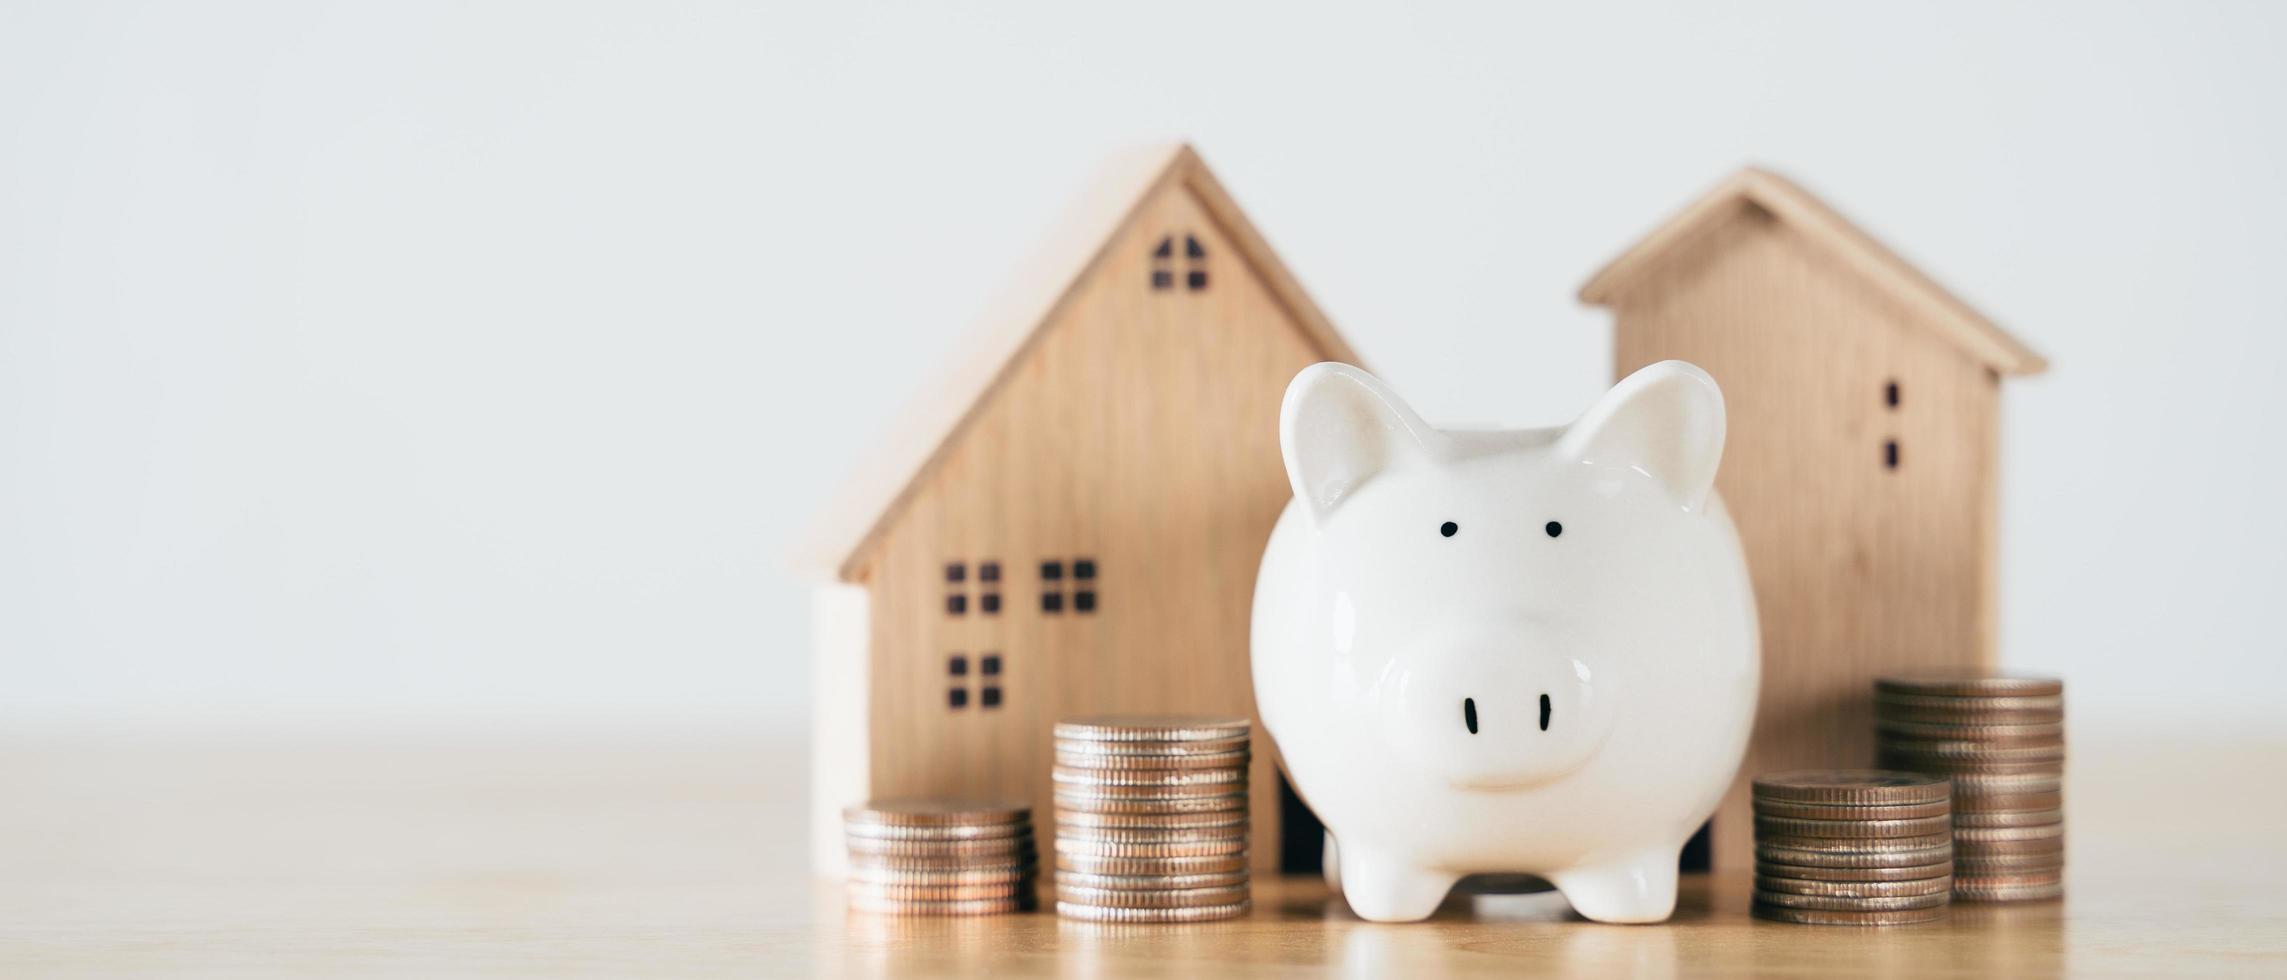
column 1164, row 263
column 1890, row 446
column 1084, row 585
column 989, row 694
column 988, row 687
column 988, row 588
column 1082, row 591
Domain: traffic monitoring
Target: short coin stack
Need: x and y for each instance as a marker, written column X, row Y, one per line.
column 1151, row 819
column 2002, row 740
column 940, row 857
column 1858, row 847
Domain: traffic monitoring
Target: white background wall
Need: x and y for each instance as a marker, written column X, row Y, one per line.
column 453, row 358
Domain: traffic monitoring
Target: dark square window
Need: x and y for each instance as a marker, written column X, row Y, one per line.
column 957, row 697
column 1083, row 568
column 1051, row 571
column 1162, row 279
column 990, row 697
column 1084, row 601
column 1890, row 394
column 988, row 571
column 1196, row 279
column 1890, row 454
column 957, row 665
column 1052, row 602
column 990, row 664
column 955, row 571
column 989, row 603
column 956, row 604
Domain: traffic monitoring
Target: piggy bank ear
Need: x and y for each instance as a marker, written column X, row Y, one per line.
column 1339, row 428
column 1665, row 420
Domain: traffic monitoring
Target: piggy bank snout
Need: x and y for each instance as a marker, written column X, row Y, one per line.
column 1500, row 715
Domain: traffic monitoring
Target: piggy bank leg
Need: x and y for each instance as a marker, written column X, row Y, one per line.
column 1330, row 859
column 1640, row 888
column 1384, row 889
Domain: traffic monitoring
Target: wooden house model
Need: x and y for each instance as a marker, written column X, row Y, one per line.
column 1861, row 462
column 1071, row 523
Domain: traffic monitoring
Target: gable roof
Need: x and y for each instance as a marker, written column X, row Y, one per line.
column 841, row 540
column 1966, row 328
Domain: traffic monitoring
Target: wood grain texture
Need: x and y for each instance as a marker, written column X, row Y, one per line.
column 1849, row 247
column 1139, row 431
column 582, row 853
column 843, row 540
column 1859, row 568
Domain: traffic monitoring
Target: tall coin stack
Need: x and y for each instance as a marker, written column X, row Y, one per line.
column 1151, row 819
column 1852, row 847
column 940, row 857
column 2002, row 740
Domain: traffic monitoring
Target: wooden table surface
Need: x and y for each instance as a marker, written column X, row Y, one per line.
column 294, row 854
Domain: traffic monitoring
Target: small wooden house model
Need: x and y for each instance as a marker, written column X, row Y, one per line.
column 1861, row 462
column 1071, row 524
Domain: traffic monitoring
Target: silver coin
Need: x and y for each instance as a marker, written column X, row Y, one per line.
column 1978, row 892
column 987, row 906
column 1850, row 829
column 1152, row 821
column 1070, row 779
column 2007, row 818
column 1860, row 845
column 1146, row 802
column 1081, row 879
column 1996, row 835
column 1093, row 747
column 1855, row 889
column 887, row 831
column 1152, row 835
column 1127, row 763
column 1138, row 899
column 1825, row 917
column 1092, row 864
column 1205, row 913
column 1845, row 811
column 1002, row 876
column 984, row 848
column 1833, row 903
column 1151, row 849
column 1912, row 872
column 1854, row 859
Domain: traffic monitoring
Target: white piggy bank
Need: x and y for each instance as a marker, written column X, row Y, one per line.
column 1525, row 651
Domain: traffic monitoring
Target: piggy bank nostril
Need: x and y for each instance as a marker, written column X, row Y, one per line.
column 1469, row 714
column 1544, row 712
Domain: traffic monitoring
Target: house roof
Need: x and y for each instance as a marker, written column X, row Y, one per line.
column 1966, row 328
column 840, row 541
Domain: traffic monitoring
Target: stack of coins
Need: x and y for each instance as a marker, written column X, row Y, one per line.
column 940, row 857
column 1151, row 819
column 1857, row 847
column 2002, row 740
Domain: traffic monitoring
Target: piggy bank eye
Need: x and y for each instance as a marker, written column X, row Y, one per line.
column 1554, row 529
column 1448, row 528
